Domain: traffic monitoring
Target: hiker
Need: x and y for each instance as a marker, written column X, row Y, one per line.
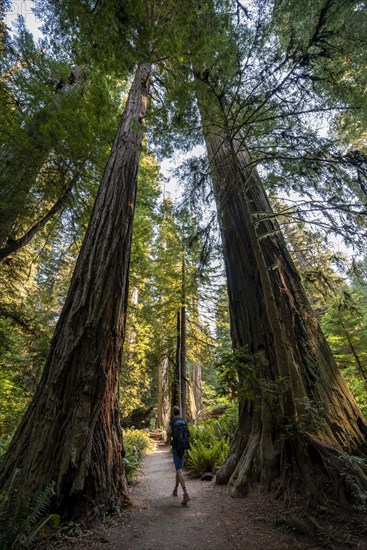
column 178, row 432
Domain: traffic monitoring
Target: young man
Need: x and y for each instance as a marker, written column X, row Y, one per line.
column 178, row 456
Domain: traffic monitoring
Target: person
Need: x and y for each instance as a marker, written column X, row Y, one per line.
column 178, row 458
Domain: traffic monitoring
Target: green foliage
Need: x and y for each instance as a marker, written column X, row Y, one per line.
column 358, row 388
column 344, row 323
column 30, row 526
column 240, row 373
column 136, row 444
column 202, row 458
column 227, row 423
column 27, row 318
column 210, row 397
column 162, row 237
column 210, row 442
column 4, row 444
column 137, row 375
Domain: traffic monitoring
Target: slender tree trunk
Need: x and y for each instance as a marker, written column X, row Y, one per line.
column 183, row 345
column 71, row 432
column 19, row 243
column 163, row 412
column 299, row 417
column 176, row 389
column 196, row 382
column 196, row 372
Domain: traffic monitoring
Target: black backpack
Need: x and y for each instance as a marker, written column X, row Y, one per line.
column 180, row 434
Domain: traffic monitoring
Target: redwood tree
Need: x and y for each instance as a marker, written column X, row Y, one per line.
column 299, row 425
column 298, row 420
column 71, row 432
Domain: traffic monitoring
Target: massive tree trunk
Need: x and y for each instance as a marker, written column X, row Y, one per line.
column 71, row 432
column 297, row 416
column 191, row 409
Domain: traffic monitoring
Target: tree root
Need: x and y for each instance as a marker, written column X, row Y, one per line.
column 321, row 473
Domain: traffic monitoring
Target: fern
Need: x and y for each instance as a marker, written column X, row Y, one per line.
column 203, row 458
column 210, row 443
column 23, row 533
column 41, row 504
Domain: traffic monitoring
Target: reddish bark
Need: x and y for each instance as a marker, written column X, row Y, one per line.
column 299, row 417
column 71, row 432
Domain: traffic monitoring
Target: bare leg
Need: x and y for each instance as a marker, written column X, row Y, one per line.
column 180, row 479
column 176, row 485
column 177, row 479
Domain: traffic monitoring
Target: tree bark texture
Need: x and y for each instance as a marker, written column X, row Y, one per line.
column 176, row 383
column 196, row 383
column 298, row 417
column 71, row 432
column 164, row 404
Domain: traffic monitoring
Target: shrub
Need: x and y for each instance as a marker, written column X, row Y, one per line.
column 226, row 425
column 203, row 458
column 210, row 443
column 136, row 443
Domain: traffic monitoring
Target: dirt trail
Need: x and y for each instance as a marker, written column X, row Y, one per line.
column 212, row 520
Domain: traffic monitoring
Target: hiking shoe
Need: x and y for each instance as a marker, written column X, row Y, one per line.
column 185, row 499
column 174, row 493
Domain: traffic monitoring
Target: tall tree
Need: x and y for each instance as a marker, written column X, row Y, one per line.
column 296, row 412
column 71, row 432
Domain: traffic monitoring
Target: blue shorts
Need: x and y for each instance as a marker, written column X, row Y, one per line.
column 178, row 458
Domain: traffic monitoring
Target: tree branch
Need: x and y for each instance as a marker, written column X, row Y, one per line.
column 28, row 236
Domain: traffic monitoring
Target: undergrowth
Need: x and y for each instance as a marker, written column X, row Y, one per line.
column 210, row 441
column 136, row 443
column 4, row 444
column 34, row 524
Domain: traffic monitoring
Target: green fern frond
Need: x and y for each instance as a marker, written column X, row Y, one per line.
column 41, row 504
column 21, row 534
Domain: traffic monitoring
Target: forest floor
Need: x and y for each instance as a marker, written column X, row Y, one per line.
column 212, row 520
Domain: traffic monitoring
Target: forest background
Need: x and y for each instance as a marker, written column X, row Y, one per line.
column 303, row 107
